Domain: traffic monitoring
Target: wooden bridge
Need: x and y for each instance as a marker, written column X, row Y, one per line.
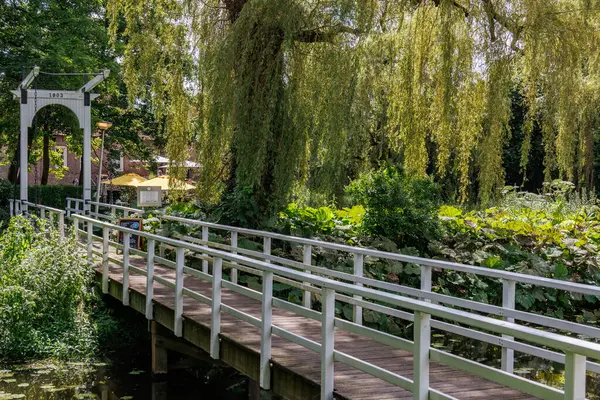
column 306, row 351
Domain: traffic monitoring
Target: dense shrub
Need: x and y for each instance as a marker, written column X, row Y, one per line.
column 44, row 294
column 554, row 235
column 309, row 222
column 397, row 207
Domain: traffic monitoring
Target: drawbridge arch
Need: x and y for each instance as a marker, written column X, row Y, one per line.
column 78, row 101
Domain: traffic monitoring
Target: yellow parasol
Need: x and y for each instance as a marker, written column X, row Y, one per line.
column 163, row 183
column 126, row 180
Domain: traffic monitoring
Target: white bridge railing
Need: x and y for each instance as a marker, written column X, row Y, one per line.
column 114, row 210
column 360, row 292
column 53, row 215
column 509, row 281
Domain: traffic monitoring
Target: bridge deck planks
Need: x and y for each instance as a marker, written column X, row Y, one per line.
column 349, row 382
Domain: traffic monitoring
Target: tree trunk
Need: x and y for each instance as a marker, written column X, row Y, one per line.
column 13, row 168
column 46, row 156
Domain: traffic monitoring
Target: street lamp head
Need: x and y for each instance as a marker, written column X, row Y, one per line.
column 103, row 125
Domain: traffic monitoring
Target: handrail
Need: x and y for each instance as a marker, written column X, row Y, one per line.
column 491, row 273
column 116, row 206
column 113, row 207
column 43, row 207
column 576, row 349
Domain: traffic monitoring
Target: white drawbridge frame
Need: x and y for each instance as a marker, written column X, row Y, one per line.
column 78, row 101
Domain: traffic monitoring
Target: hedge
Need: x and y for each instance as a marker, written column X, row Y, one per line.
column 50, row 195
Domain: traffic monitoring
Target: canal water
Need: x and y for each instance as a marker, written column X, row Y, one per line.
column 123, row 380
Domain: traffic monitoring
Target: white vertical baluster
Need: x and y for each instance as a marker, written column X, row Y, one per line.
column 327, row 343
column 105, row 232
column 508, row 301
column 426, row 277
column 205, row 239
column 359, row 260
column 267, row 247
column 11, row 207
column 113, row 213
column 150, row 279
column 179, row 261
column 265, row 332
column 61, row 225
column 215, row 321
column 68, row 207
column 234, row 243
column 125, row 213
column 422, row 343
column 307, row 259
column 90, row 242
column 575, row 377
column 42, row 213
column 126, row 239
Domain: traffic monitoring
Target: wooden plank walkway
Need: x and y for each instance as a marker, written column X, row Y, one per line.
column 350, row 383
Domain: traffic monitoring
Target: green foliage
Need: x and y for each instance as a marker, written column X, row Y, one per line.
column 397, row 207
column 51, row 196
column 308, row 221
column 553, row 235
column 44, row 292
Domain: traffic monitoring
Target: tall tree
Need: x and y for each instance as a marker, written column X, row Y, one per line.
column 63, row 36
column 290, row 93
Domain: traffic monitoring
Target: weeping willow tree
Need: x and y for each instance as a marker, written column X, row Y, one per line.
column 280, row 95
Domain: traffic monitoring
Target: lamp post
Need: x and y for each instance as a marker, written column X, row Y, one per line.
column 103, row 126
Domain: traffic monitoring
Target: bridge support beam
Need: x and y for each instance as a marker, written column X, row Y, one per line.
column 159, row 352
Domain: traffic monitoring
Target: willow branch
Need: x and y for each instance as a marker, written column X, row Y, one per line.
column 494, row 16
column 327, row 36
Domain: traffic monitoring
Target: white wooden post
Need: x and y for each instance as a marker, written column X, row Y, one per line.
column 61, row 225
column 307, row 259
column 426, row 276
column 125, row 213
column 422, row 343
column 265, row 331
column 68, row 207
column 87, row 158
column 359, row 260
column 179, row 261
column 267, row 247
column 215, row 320
column 126, row 240
column 575, row 377
column 42, row 213
column 26, row 119
column 105, row 232
column 90, row 242
column 150, row 279
column 113, row 213
column 205, row 239
column 327, row 343
column 11, row 207
column 234, row 243
column 508, row 301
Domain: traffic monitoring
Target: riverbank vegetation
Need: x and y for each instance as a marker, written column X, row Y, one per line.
column 48, row 306
column 554, row 234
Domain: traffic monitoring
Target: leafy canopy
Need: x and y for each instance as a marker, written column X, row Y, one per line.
column 280, row 95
